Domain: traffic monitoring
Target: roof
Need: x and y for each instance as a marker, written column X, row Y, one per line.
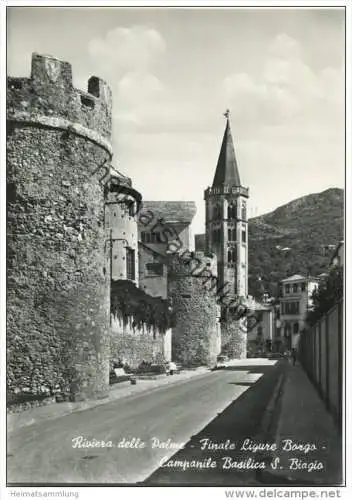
column 226, row 173
column 297, row 277
column 171, row 211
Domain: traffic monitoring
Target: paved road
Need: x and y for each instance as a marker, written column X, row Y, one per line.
column 226, row 404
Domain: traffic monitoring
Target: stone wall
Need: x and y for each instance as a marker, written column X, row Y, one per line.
column 234, row 338
column 134, row 346
column 195, row 339
column 58, row 292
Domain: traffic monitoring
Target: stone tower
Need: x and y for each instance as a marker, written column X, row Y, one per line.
column 226, row 232
column 196, row 337
column 58, row 149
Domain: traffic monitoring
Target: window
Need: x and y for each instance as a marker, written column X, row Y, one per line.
column 287, row 288
column 231, row 234
column 130, row 267
column 146, row 237
column 155, row 269
column 291, row 308
column 231, row 256
column 303, row 287
column 244, row 236
column 295, row 288
column 244, row 211
column 155, row 237
column 131, row 210
column 260, row 331
column 216, row 236
column 232, row 211
column 217, row 212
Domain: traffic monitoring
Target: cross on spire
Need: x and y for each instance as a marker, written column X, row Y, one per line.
column 227, row 114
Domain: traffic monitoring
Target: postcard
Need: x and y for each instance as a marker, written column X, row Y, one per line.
column 175, row 253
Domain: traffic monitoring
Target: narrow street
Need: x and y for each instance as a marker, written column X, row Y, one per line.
column 223, row 405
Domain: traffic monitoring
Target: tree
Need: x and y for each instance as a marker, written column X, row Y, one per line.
column 329, row 292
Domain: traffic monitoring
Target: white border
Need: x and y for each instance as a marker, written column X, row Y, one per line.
column 174, row 492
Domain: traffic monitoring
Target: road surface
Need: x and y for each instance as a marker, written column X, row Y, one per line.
column 142, row 432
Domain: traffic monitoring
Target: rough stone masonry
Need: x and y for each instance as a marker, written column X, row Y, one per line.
column 58, row 282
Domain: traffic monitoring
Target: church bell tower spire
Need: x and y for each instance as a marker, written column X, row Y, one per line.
column 226, row 219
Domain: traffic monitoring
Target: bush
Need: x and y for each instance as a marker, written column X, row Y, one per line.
column 128, row 302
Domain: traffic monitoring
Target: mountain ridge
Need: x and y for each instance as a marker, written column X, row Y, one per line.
column 297, row 237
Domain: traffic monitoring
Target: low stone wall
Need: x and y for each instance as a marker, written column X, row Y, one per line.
column 27, row 405
column 136, row 346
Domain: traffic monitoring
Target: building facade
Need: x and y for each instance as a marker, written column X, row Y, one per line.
column 261, row 330
column 122, row 203
column 164, row 228
column 295, row 301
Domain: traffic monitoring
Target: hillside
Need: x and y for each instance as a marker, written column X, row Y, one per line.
column 295, row 238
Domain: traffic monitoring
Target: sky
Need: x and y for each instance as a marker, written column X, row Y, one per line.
column 174, row 72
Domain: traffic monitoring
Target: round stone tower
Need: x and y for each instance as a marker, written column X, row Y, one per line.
column 58, row 152
column 196, row 338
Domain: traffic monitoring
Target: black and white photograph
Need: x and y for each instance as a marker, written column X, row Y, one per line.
column 174, row 261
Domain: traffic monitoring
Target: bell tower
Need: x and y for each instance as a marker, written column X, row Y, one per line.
column 226, row 231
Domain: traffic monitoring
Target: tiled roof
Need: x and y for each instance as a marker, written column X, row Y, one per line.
column 171, row 211
column 294, row 278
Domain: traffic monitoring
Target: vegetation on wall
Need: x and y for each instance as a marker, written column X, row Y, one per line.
column 329, row 292
column 130, row 303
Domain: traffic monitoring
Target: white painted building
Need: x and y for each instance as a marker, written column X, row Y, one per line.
column 295, row 301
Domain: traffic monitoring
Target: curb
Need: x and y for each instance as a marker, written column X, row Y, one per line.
column 270, row 426
column 272, row 422
column 12, row 425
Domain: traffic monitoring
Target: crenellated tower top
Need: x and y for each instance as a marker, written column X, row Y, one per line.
column 48, row 98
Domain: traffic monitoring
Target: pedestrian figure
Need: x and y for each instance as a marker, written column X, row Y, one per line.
column 294, row 356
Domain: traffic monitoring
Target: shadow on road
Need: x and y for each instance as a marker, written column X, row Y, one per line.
column 237, row 427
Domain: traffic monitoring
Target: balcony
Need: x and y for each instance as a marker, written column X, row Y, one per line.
column 225, row 190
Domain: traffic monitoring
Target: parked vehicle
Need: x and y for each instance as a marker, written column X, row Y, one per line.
column 171, row 368
column 221, row 361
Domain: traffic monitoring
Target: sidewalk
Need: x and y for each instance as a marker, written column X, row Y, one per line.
column 303, row 419
column 117, row 391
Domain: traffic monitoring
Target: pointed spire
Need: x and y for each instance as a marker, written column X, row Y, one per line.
column 226, row 173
